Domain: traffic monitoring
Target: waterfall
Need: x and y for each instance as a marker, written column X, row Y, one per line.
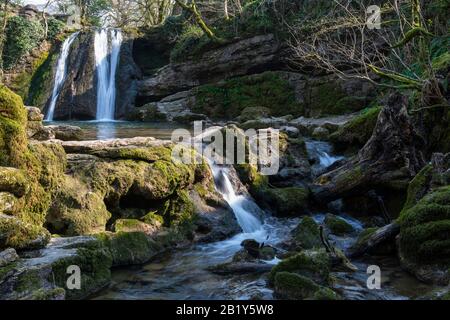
column 244, row 209
column 106, row 59
column 321, row 151
column 60, row 75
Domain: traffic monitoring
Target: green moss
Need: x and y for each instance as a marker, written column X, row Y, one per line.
column 153, row 218
column 309, row 263
column 287, row 201
column 5, row 271
column 417, row 187
column 21, row 235
column 337, row 225
column 358, row 131
column 297, row 287
column 228, row 100
column 425, row 229
column 48, row 294
column 363, row 237
column 94, row 261
column 307, row 234
column 127, row 248
column 41, row 81
column 13, row 119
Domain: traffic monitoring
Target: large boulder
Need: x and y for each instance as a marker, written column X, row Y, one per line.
column 424, row 222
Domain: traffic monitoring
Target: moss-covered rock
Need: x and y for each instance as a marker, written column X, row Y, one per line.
column 337, row 226
column 253, row 113
column 314, row 264
column 289, row 201
column 355, row 133
column 128, row 248
column 13, row 119
column 134, row 225
column 425, row 228
column 307, row 234
column 228, row 100
column 293, row 286
column 21, row 235
column 94, row 261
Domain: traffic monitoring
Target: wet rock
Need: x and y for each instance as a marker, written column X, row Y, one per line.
column 21, row 235
column 308, row 125
column 337, row 225
column 320, row 133
column 292, row 286
column 253, row 113
column 66, row 132
column 43, row 134
column 306, row 235
column 8, row 256
column 34, row 114
column 291, row 131
column 313, row 264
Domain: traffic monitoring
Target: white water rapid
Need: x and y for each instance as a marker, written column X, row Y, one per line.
column 245, row 210
column 107, row 43
column 60, row 75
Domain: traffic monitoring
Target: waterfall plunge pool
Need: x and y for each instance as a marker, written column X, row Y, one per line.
column 103, row 130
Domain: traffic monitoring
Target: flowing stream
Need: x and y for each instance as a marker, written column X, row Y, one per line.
column 182, row 274
column 60, row 75
column 107, row 43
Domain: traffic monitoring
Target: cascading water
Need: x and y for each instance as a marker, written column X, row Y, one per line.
column 106, row 59
column 60, row 75
column 244, row 209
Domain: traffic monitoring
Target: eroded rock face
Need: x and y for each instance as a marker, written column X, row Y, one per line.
column 235, row 59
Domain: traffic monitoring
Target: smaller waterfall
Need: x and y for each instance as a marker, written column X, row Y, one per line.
column 321, row 151
column 244, row 209
column 60, row 75
column 106, row 59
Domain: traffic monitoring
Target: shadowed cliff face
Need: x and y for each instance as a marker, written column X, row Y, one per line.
column 78, row 97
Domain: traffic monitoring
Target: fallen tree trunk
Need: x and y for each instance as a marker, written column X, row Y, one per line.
column 381, row 236
column 390, row 159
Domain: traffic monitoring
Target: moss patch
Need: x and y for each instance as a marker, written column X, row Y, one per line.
column 425, row 229
column 307, row 234
column 358, row 131
column 337, row 226
column 228, row 100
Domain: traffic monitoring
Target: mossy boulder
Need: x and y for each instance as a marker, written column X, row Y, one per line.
column 21, row 235
column 134, row 225
column 291, row 201
column 307, row 234
column 313, row 264
column 291, row 286
column 128, row 248
column 337, row 226
column 253, row 113
column 95, row 262
column 13, row 119
column 425, row 228
column 356, row 132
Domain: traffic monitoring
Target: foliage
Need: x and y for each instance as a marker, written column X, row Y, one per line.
column 55, row 27
column 22, row 36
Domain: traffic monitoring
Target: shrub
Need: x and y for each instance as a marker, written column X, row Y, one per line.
column 55, row 27
column 190, row 43
column 22, row 36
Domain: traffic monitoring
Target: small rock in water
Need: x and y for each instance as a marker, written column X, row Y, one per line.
column 7, row 256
